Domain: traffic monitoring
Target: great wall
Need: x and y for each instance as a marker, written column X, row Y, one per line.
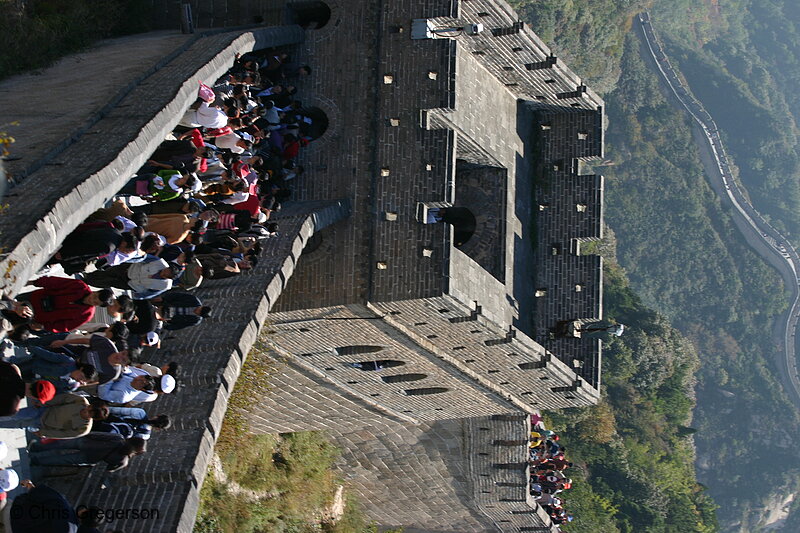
column 494, row 123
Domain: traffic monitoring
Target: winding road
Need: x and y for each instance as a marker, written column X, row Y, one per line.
column 759, row 234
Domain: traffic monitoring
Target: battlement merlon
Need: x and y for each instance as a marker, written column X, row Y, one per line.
column 516, row 56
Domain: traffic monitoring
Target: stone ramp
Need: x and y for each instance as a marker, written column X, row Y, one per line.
column 449, row 476
column 92, row 166
column 169, row 476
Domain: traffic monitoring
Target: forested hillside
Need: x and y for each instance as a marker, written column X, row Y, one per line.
column 633, row 452
column 744, row 56
column 683, row 255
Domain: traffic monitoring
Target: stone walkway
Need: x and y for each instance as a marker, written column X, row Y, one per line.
column 94, row 163
column 90, row 168
column 87, row 82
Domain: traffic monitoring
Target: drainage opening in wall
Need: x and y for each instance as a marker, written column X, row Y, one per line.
column 400, row 378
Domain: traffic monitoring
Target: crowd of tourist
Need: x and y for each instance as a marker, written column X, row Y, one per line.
column 547, row 466
column 196, row 211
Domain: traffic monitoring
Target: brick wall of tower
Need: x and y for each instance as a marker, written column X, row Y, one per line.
column 569, row 212
column 375, row 153
column 514, row 366
column 309, row 338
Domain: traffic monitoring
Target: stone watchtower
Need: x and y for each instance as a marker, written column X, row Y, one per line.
column 469, row 316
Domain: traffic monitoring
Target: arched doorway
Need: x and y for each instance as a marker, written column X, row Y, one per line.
column 311, row 15
column 314, row 123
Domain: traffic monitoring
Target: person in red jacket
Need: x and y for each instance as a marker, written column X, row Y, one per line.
column 63, row 304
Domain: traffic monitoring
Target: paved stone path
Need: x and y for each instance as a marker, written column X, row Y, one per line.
column 57, row 196
column 48, row 115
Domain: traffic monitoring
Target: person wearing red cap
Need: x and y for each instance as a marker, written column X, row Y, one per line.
column 42, row 391
column 66, row 416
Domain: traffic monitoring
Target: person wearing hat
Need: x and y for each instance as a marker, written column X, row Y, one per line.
column 164, row 384
column 39, row 393
column 149, row 339
column 144, row 321
column 131, row 385
column 66, row 416
column 9, row 480
column 147, row 279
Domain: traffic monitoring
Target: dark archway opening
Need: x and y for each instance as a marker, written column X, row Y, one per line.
column 310, row 15
column 463, row 222
column 314, row 122
column 380, row 364
column 313, row 243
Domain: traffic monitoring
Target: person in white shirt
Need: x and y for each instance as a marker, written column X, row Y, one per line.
column 206, row 116
column 128, row 387
column 146, row 279
column 231, row 142
column 151, row 278
column 164, row 384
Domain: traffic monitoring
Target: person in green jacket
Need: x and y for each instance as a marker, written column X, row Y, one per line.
column 167, row 184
